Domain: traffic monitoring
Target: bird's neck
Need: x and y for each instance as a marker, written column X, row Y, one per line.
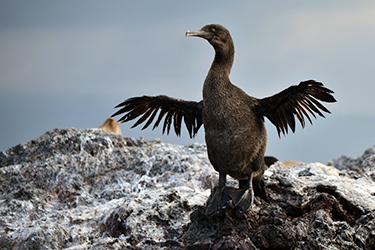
column 222, row 64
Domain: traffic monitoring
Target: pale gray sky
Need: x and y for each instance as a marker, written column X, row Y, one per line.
column 68, row 63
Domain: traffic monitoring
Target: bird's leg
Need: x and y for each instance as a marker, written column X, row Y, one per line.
column 244, row 196
column 259, row 189
column 219, row 197
column 222, row 180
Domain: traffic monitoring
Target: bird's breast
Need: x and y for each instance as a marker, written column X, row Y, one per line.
column 234, row 135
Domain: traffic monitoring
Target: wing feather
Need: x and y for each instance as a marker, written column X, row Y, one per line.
column 149, row 121
column 299, row 101
column 172, row 110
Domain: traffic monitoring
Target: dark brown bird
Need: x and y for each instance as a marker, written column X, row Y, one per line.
column 233, row 121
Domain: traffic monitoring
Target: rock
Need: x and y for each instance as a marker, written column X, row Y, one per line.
column 357, row 167
column 89, row 189
column 311, row 207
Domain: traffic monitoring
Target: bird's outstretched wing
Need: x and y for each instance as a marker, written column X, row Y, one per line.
column 297, row 101
column 173, row 110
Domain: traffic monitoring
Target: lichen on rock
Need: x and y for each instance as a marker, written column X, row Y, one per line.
column 89, row 189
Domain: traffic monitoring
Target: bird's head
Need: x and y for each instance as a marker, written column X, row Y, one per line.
column 217, row 35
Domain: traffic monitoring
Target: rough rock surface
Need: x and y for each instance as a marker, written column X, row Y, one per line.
column 357, row 167
column 88, row 189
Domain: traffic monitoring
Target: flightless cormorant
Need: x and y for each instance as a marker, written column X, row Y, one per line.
column 233, row 121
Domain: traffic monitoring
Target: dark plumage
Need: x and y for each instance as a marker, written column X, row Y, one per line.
column 233, row 121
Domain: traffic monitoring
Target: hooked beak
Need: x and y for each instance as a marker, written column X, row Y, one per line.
column 200, row 33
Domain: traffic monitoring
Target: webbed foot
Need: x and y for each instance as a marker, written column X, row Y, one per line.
column 218, row 200
column 242, row 198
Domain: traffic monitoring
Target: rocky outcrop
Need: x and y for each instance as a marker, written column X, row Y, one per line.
column 363, row 166
column 88, row 189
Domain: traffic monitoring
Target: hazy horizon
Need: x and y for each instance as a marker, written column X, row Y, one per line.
column 68, row 63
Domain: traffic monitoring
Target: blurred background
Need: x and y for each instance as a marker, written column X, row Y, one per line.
column 68, row 63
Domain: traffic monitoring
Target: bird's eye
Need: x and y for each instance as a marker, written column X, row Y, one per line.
column 212, row 29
